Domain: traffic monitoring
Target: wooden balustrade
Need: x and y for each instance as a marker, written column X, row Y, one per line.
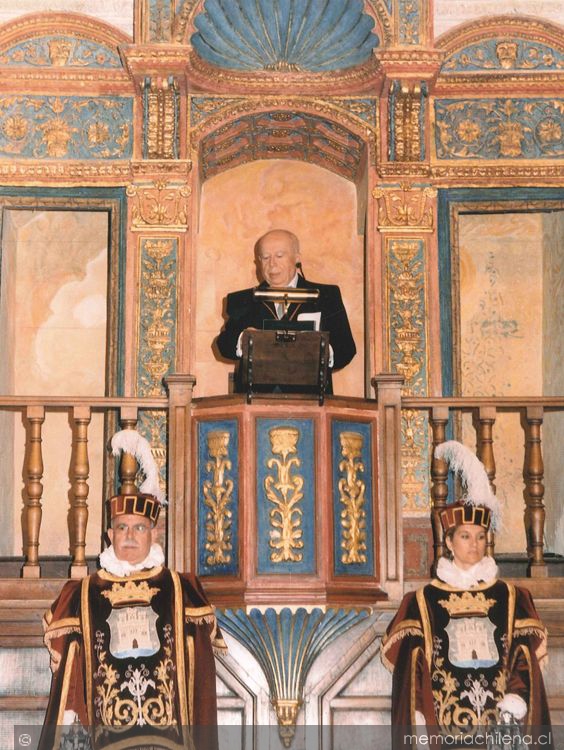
column 484, row 411
column 35, row 412
column 179, row 406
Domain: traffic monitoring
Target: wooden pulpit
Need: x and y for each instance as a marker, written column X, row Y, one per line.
column 285, row 361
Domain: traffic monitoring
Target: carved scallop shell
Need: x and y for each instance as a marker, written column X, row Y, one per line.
column 294, row 35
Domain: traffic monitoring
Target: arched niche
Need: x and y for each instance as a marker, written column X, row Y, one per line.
column 283, row 181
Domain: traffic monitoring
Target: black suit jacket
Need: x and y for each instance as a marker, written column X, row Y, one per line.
column 244, row 311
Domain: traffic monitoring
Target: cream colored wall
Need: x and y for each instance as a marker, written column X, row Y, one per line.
column 553, row 354
column 241, row 204
column 501, row 304
column 58, row 314
column 448, row 14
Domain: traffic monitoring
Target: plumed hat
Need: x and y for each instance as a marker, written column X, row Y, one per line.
column 478, row 505
column 150, row 498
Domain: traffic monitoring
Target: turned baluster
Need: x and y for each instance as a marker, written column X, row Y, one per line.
column 534, row 492
column 79, row 507
column 34, row 490
column 439, row 474
column 128, row 464
column 484, row 429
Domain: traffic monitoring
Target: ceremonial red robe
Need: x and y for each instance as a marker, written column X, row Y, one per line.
column 133, row 658
column 455, row 653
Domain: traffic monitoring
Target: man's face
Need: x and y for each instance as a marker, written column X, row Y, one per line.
column 277, row 259
column 132, row 537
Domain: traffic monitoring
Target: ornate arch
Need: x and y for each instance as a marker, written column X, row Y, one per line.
column 504, row 44
column 240, row 130
column 60, row 40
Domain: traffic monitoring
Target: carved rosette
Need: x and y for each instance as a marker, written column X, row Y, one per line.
column 406, row 208
column 218, row 497
column 284, row 491
column 351, row 492
column 160, row 204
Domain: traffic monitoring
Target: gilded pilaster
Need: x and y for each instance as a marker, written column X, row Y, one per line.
column 406, row 221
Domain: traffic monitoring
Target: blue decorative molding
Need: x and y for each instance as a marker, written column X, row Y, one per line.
column 60, row 51
column 218, row 498
column 499, row 128
column 409, row 21
column 286, row 644
column 504, row 55
column 285, row 496
column 66, row 127
column 353, row 519
column 285, row 35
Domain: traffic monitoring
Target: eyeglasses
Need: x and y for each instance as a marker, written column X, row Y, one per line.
column 138, row 528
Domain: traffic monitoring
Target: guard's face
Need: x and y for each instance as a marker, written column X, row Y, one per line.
column 277, row 259
column 132, row 537
column 467, row 544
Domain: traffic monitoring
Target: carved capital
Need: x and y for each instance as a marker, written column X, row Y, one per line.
column 406, row 208
column 160, row 204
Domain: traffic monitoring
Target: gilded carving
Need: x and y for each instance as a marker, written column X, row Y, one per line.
column 351, row 491
column 285, row 492
column 157, row 326
column 415, row 483
column 65, row 127
column 406, row 106
column 499, row 128
column 287, row 710
column 162, row 204
column 160, row 103
column 217, row 497
column 406, row 290
column 507, row 172
column 359, row 78
column 409, row 208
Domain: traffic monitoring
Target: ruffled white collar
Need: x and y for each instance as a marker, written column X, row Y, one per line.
column 484, row 571
column 116, row 567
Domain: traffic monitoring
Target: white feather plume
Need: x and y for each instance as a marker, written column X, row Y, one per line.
column 130, row 441
column 473, row 476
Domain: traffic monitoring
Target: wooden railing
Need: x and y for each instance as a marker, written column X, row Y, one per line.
column 34, row 411
column 484, row 412
column 179, row 407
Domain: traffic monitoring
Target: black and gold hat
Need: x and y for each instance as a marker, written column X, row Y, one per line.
column 140, row 504
column 150, row 498
column 479, row 505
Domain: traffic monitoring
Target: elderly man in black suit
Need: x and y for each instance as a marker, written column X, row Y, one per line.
column 278, row 259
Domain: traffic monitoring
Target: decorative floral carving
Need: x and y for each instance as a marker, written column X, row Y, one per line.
column 406, row 208
column 351, row 489
column 494, row 128
column 217, row 497
column 284, row 491
column 159, row 204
